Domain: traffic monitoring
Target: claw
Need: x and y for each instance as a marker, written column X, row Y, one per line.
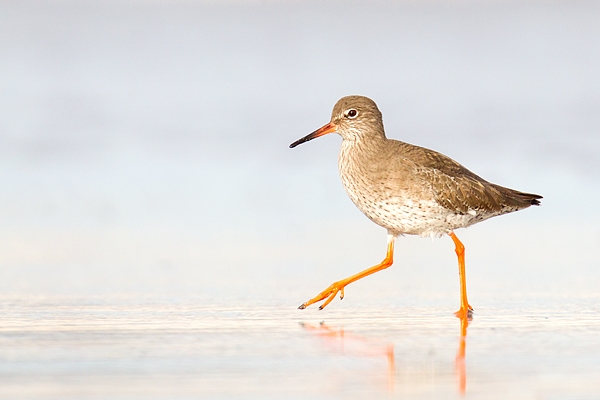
column 334, row 291
column 302, row 306
column 342, row 294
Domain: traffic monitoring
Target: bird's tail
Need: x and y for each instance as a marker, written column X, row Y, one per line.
column 525, row 199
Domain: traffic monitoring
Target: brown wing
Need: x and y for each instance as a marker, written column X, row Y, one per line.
column 464, row 193
column 458, row 189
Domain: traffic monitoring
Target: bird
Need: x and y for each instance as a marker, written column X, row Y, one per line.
column 408, row 189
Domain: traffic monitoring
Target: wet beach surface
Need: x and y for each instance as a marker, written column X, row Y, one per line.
column 56, row 347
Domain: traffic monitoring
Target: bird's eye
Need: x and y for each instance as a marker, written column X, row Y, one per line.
column 351, row 113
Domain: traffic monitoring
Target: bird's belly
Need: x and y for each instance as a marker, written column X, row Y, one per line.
column 401, row 215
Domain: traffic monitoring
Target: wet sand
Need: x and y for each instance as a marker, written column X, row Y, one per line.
column 124, row 347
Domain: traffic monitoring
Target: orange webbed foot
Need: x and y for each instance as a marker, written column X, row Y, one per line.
column 329, row 293
column 338, row 287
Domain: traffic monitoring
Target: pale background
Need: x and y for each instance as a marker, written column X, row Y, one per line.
column 157, row 233
column 144, row 144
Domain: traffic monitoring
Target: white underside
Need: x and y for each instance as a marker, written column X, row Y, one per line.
column 402, row 216
column 424, row 218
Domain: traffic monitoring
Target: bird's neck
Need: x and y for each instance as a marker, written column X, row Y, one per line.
column 360, row 153
column 363, row 147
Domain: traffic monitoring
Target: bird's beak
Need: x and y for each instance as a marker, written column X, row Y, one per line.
column 324, row 130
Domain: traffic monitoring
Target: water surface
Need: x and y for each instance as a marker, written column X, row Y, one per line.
column 124, row 347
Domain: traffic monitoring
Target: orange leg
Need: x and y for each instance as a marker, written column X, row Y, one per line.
column 465, row 311
column 339, row 286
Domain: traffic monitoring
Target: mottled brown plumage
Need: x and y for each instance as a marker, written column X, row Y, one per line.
column 408, row 189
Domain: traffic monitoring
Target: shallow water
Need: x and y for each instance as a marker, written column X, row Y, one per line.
column 132, row 348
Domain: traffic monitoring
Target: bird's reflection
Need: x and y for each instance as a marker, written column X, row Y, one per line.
column 461, row 366
column 346, row 342
column 351, row 343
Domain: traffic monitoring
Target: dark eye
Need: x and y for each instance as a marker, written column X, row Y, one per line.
column 351, row 113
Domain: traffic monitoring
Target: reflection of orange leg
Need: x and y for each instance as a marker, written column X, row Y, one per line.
column 338, row 286
column 465, row 309
column 361, row 346
column 461, row 368
column 323, row 330
column 391, row 367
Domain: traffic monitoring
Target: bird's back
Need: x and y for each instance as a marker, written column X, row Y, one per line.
column 414, row 190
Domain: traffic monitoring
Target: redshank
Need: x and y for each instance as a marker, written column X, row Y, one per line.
column 407, row 189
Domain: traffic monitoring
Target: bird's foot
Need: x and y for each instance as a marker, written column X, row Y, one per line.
column 329, row 293
column 465, row 312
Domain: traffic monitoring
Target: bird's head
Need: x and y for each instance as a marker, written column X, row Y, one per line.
column 354, row 118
